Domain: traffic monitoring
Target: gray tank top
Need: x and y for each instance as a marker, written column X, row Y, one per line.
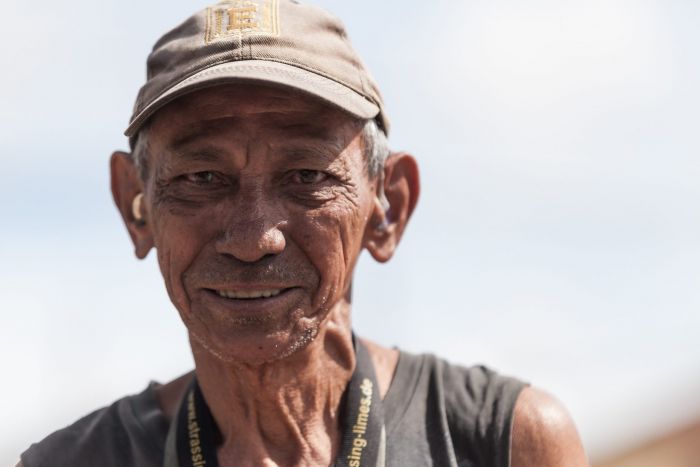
column 436, row 414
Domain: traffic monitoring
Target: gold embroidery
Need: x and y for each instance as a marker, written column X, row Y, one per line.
column 219, row 19
column 242, row 18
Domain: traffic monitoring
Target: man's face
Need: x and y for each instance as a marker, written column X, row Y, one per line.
column 258, row 200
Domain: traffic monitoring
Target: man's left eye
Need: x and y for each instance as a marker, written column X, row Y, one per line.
column 201, row 178
column 309, row 177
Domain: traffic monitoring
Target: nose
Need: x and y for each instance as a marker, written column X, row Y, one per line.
column 251, row 232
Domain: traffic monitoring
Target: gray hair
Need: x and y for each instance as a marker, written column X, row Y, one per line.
column 375, row 150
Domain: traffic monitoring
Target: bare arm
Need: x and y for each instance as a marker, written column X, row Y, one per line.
column 544, row 434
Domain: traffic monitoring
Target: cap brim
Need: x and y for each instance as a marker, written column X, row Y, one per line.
column 264, row 71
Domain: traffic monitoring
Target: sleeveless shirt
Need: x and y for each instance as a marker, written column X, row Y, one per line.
column 436, row 414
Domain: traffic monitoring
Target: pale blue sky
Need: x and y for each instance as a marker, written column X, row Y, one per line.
column 558, row 237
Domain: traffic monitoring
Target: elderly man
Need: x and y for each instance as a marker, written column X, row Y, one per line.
column 259, row 172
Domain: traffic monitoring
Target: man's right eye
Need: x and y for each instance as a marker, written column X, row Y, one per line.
column 200, row 178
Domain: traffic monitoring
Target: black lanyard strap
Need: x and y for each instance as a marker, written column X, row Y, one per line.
column 197, row 434
column 364, row 438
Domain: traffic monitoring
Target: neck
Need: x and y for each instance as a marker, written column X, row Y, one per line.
column 284, row 412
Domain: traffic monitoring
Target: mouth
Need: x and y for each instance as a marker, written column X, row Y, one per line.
column 249, row 294
column 251, row 303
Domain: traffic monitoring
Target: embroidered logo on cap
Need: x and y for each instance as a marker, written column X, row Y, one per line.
column 242, row 18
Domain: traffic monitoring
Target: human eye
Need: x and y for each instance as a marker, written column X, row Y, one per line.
column 309, row 177
column 204, row 178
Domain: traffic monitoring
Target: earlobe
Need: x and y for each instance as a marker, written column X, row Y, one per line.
column 379, row 235
column 392, row 211
column 127, row 191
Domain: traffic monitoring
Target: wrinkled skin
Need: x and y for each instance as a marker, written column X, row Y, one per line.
column 269, row 193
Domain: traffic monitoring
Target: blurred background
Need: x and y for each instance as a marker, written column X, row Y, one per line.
column 557, row 239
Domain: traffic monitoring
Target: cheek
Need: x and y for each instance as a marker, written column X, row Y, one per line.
column 332, row 240
column 178, row 241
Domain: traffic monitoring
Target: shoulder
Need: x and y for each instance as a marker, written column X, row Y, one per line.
column 471, row 406
column 466, row 390
column 544, row 434
column 485, row 395
column 128, row 432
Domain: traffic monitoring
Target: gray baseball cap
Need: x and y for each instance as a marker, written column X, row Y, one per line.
column 279, row 42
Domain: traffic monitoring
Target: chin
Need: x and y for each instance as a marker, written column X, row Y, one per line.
column 249, row 345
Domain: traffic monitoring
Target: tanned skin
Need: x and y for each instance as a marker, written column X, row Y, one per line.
column 253, row 188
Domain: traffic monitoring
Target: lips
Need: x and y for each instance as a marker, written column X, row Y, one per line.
column 250, row 305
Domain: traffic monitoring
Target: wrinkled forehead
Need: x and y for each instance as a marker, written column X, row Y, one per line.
column 250, row 105
column 285, row 124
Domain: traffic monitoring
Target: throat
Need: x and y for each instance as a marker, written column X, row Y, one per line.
column 285, row 412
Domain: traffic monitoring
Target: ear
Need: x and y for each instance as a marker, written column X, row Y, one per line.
column 401, row 183
column 126, row 186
